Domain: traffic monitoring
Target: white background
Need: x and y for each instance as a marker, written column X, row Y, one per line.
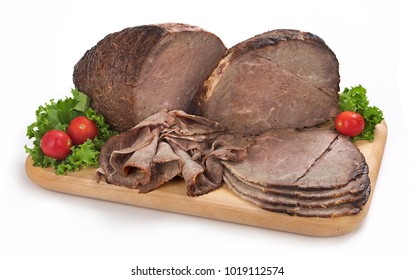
column 48, row 235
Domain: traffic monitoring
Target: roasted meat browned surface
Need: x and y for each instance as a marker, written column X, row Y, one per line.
column 134, row 73
column 278, row 79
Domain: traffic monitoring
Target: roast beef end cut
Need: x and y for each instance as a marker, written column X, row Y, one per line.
column 139, row 71
column 279, row 79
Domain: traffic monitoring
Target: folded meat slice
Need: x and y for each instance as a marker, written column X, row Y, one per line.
column 144, row 165
column 168, row 144
column 139, row 156
column 278, row 79
column 194, row 177
column 165, row 166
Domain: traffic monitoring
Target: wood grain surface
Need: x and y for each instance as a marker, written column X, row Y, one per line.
column 220, row 204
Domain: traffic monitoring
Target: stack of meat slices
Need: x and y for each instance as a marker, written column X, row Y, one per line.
column 314, row 173
column 166, row 145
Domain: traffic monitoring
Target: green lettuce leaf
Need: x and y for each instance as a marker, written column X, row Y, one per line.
column 83, row 155
column 355, row 100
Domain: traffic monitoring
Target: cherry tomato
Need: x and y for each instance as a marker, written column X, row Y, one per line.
column 81, row 128
column 349, row 123
column 56, row 144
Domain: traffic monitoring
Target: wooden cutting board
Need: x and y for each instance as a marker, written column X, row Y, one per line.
column 220, row 204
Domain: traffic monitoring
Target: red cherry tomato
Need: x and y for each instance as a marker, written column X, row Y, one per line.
column 56, row 144
column 80, row 129
column 349, row 123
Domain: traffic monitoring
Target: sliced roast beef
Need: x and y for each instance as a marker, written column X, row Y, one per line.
column 278, row 79
column 168, row 144
column 345, row 209
column 311, row 172
column 354, row 187
column 304, row 201
column 140, row 70
column 137, row 159
column 291, row 171
column 305, row 159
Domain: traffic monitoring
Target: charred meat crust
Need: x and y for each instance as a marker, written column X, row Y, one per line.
column 265, row 39
column 271, row 38
column 109, row 84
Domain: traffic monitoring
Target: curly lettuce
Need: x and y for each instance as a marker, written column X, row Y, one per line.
column 355, row 100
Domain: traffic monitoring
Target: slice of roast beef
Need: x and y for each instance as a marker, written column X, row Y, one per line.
column 354, row 187
column 140, row 70
column 316, row 158
column 137, row 159
column 290, row 171
column 302, row 202
column 346, row 209
column 168, row 144
column 341, row 163
column 278, row 79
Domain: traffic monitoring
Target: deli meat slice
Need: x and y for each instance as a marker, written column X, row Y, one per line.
column 278, row 79
column 354, row 187
column 166, row 145
column 141, row 70
column 313, row 172
column 339, row 210
column 312, row 158
column 303, row 206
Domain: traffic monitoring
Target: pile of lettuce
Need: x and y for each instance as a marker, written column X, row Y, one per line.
column 57, row 115
column 355, row 100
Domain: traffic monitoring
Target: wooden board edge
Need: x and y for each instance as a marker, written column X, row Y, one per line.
column 231, row 208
